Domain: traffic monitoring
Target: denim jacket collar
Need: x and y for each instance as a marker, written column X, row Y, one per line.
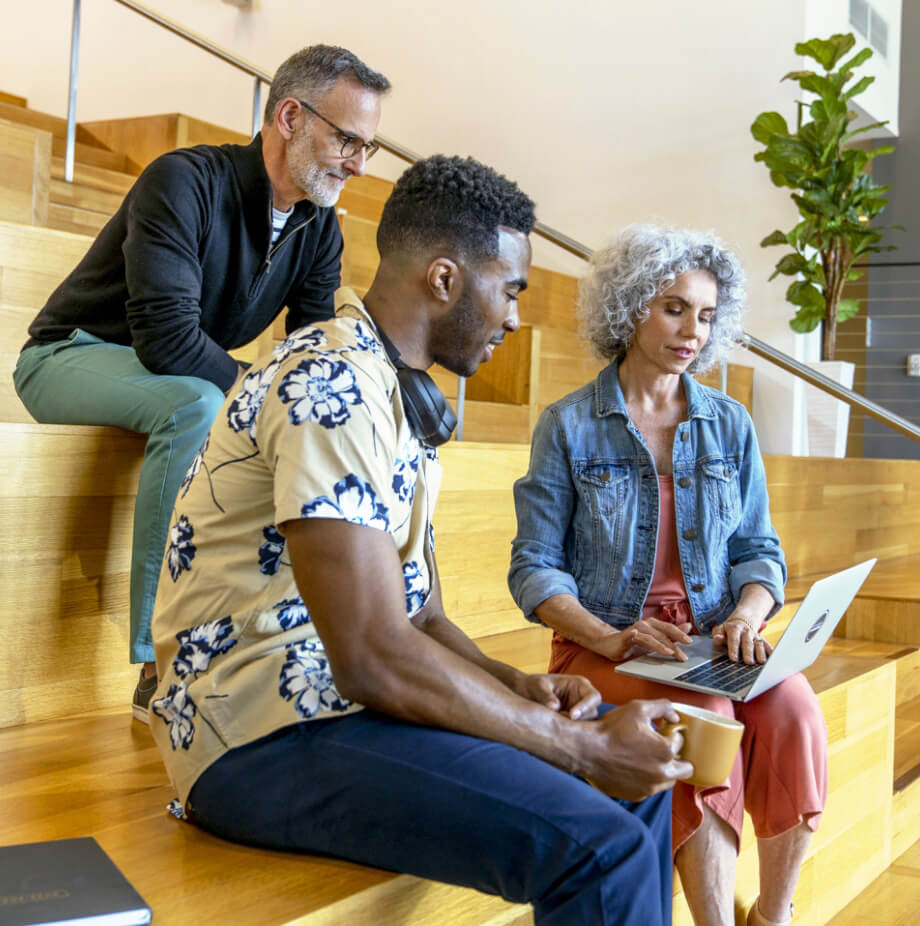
column 609, row 396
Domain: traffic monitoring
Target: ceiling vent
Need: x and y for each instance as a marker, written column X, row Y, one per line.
column 869, row 23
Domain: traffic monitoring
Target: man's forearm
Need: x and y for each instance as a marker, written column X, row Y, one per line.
column 448, row 634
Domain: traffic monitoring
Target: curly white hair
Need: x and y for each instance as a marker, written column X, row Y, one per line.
column 637, row 265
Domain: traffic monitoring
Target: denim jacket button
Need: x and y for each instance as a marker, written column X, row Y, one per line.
column 698, row 587
column 685, row 482
column 690, row 534
column 605, row 477
column 685, row 435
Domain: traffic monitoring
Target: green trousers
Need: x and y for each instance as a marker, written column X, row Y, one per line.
column 83, row 380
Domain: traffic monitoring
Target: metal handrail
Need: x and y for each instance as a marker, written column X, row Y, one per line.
column 561, row 240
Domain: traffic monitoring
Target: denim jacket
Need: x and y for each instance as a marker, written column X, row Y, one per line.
column 587, row 509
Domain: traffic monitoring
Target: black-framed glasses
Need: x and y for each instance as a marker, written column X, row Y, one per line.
column 351, row 144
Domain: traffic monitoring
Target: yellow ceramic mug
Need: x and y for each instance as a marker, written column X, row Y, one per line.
column 711, row 743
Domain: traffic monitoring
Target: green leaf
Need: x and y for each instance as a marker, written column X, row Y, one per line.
column 865, row 128
column 790, row 264
column 856, row 60
column 804, row 323
column 862, row 84
column 779, row 178
column 820, row 85
column 882, row 149
column 796, row 75
column 775, row 237
column 846, row 309
column 854, row 275
column 806, row 295
column 827, row 52
column 768, row 124
column 823, row 110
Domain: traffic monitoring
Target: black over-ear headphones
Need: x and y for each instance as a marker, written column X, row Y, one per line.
column 431, row 419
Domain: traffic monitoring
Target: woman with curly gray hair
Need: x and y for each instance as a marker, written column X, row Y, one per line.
column 643, row 519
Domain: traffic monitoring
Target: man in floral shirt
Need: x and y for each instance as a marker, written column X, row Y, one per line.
column 313, row 695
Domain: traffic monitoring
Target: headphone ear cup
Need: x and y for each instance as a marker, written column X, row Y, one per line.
column 431, row 419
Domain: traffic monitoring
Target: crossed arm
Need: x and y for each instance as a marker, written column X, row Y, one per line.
column 426, row 671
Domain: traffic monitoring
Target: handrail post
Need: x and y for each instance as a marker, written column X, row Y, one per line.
column 461, row 402
column 256, row 105
column 72, row 97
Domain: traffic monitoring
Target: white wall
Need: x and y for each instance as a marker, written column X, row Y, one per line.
column 606, row 111
column 823, row 18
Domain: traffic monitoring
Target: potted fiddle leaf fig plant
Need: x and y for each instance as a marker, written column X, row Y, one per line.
column 835, row 194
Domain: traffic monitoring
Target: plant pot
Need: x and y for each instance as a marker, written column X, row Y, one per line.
column 828, row 418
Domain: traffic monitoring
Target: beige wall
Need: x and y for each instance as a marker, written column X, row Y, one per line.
column 606, row 111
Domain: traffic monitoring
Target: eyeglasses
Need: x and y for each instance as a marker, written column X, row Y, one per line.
column 351, row 144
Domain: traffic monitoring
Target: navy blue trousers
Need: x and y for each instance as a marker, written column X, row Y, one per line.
column 446, row 807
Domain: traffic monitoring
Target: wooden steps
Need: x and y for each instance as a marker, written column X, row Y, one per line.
column 101, row 775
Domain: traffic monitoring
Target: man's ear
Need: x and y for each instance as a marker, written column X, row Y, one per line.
column 443, row 279
column 286, row 118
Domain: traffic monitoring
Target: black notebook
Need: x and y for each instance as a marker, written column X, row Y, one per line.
column 67, row 881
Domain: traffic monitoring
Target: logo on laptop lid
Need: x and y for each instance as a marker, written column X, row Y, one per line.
column 816, row 626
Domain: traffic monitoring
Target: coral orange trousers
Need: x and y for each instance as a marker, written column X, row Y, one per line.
column 780, row 773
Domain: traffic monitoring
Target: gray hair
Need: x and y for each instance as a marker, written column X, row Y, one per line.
column 641, row 262
column 313, row 71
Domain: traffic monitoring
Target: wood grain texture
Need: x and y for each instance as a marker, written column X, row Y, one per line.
column 33, row 260
column 101, row 775
column 99, row 178
column 25, row 173
column 68, row 501
column 13, row 100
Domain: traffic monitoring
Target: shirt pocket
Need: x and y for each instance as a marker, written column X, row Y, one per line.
column 602, row 486
column 723, row 493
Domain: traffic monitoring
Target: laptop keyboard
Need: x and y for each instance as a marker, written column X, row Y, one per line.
column 723, row 674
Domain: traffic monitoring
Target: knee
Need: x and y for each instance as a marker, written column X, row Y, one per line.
column 199, row 411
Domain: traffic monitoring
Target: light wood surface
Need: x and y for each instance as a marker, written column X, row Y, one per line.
column 33, row 260
column 98, row 178
column 12, row 99
column 101, row 775
column 832, row 513
column 94, row 156
column 144, row 138
column 893, row 899
column 363, row 197
column 739, row 385
column 25, row 173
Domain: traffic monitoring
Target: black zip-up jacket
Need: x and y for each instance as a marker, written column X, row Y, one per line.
column 185, row 270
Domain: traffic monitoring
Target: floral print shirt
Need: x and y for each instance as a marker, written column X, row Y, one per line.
column 315, row 430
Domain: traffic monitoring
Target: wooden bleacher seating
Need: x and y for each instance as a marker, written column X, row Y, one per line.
column 74, row 763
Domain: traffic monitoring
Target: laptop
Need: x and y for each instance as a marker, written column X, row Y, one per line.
column 709, row 669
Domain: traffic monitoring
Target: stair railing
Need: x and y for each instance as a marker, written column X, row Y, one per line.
column 754, row 345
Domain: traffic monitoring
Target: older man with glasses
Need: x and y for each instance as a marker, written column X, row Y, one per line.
column 208, row 247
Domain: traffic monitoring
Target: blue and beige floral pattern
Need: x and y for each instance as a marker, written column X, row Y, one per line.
column 194, row 467
column 292, row 612
column 200, row 644
column 177, row 711
column 415, row 587
column 405, row 472
column 308, row 338
column 365, row 340
column 320, row 389
column 307, row 681
column 431, row 536
column 355, row 501
column 244, row 409
column 319, row 431
column 271, row 551
column 181, row 550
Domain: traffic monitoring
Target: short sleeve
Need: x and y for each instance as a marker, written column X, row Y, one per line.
column 327, row 431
